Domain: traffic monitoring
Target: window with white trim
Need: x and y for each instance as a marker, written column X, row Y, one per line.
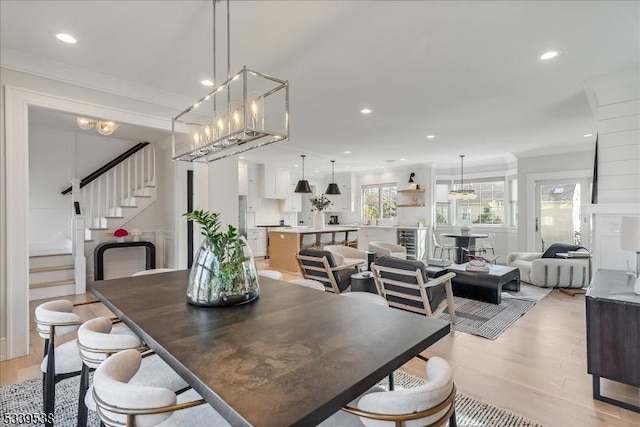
column 379, row 201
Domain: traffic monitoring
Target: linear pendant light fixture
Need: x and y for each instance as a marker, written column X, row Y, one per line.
column 303, row 185
column 461, row 193
column 333, row 187
column 247, row 111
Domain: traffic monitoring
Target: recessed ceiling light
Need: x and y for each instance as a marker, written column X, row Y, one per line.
column 430, row 136
column 206, row 82
column 67, row 38
column 549, row 55
column 317, row 171
column 587, row 135
column 241, row 157
column 366, row 111
column 295, row 166
column 403, row 159
column 347, row 152
column 347, row 167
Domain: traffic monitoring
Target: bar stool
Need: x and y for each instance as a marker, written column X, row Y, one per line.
column 308, row 241
column 56, row 318
column 352, row 238
column 326, row 239
column 340, row 238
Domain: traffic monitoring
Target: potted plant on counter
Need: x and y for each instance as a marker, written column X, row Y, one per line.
column 223, row 271
column 318, row 205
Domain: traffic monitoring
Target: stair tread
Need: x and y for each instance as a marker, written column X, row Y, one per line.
column 98, row 228
column 51, row 283
column 51, row 254
column 52, row 268
column 125, row 206
column 140, row 196
column 114, row 217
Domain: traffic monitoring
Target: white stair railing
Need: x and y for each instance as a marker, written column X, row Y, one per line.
column 104, row 197
column 119, row 186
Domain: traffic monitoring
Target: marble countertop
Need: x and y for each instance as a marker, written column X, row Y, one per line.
column 308, row 230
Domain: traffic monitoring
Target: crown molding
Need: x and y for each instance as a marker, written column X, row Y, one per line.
column 558, row 149
column 41, row 67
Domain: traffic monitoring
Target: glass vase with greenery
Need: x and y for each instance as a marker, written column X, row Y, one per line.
column 223, row 271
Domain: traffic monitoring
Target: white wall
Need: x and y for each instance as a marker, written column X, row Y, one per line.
column 55, row 157
column 30, row 90
column 615, row 102
column 400, row 176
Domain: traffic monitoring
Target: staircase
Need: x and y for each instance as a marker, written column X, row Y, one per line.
column 51, row 275
column 107, row 202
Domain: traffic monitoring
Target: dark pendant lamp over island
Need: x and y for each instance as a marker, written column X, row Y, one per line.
column 303, row 185
column 333, row 187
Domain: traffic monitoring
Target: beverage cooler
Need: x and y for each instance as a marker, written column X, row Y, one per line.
column 415, row 241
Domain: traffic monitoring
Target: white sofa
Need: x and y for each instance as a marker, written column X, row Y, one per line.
column 551, row 272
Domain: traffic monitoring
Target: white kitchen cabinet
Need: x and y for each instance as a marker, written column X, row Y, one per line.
column 376, row 234
column 257, row 240
column 253, row 197
column 275, row 183
column 293, row 202
column 345, row 201
column 243, row 179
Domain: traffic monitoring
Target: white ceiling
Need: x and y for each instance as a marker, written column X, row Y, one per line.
column 467, row 72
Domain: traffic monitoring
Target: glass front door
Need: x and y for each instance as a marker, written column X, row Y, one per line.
column 559, row 207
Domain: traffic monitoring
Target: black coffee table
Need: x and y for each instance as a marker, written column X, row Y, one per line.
column 480, row 286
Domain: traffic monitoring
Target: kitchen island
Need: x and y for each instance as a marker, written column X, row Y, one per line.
column 286, row 243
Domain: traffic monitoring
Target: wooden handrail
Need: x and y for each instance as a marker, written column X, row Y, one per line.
column 103, row 169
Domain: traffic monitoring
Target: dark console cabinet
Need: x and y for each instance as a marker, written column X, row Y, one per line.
column 613, row 332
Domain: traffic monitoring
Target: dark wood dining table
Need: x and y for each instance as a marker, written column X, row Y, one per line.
column 463, row 243
column 294, row 356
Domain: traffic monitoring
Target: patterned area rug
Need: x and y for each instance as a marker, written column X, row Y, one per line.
column 26, row 398
column 491, row 320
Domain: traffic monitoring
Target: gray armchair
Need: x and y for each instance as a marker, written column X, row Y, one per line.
column 327, row 268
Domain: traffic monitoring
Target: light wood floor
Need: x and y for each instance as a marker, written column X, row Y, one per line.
column 537, row 368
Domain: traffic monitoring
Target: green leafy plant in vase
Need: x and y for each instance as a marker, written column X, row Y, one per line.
column 223, row 271
column 318, row 205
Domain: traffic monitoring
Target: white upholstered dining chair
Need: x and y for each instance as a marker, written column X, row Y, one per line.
column 431, row 404
column 97, row 340
column 153, row 271
column 121, row 403
column 271, row 274
column 308, row 283
column 56, row 319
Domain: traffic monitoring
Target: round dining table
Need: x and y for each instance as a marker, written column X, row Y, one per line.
column 463, row 243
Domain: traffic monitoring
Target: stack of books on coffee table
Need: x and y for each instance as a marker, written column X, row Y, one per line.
column 439, row 262
column 479, row 266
